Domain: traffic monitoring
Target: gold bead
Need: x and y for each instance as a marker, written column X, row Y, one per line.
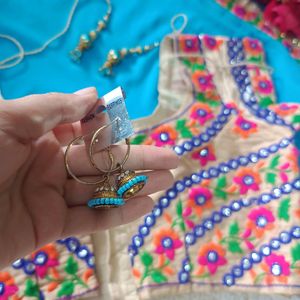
column 139, row 50
column 147, row 47
column 101, row 25
column 93, row 34
column 283, row 35
column 123, row 52
column 294, row 41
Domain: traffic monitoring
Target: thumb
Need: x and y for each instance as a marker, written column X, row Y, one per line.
column 32, row 116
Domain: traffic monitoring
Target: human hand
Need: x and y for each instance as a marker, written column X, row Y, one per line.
column 38, row 202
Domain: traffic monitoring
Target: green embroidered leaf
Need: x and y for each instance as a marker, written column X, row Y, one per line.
column 283, row 209
column 139, row 139
column 234, row 247
column 271, row 178
column 255, row 59
column 222, row 182
column 146, row 259
column 186, row 133
column 183, row 129
column 295, row 251
column 180, row 124
column 179, row 208
column 187, row 62
column 182, row 226
column 158, row 277
column 220, row 194
column 230, row 4
column 71, row 266
column 31, row 289
column 274, row 162
column 296, row 119
column 265, row 102
column 197, row 67
column 66, row 289
column 201, row 97
column 234, row 229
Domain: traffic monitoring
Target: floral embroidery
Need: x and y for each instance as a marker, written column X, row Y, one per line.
column 204, row 155
column 189, row 43
column 244, row 127
column 285, row 109
column 263, row 85
column 166, row 242
column 212, row 43
column 252, row 47
column 260, row 220
column 7, row 286
column 44, row 259
column 211, row 256
column 247, row 179
column 164, row 135
column 202, row 81
column 241, row 12
column 200, row 198
column 201, row 113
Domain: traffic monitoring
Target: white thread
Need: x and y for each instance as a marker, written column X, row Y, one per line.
column 182, row 27
column 4, row 64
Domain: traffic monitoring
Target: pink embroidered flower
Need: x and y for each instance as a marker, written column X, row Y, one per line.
column 211, row 42
column 253, row 47
column 277, row 268
column 263, row 85
column 285, row 109
column 260, row 220
column 166, row 242
column 244, row 127
column 244, row 14
column 201, row 112
column 212, row 256
column 189, row 43
column 187, row 212
column 247, row 179
column 200, row 199
column 164, row 135
column 202, row 81
column 45, row 258
column 204, row 155
column 7, row 286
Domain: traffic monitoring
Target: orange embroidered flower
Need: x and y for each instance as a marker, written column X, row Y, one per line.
column 204, row 155
column 260, row 220
column 284, row 109
column 200, row 198
column 212, row 256
column 212, row 43
column 247, row 179
column 189, row 43
column 244, row 127
column 201, row 112
column 202, row 81
column 7, row 286
column 253, row 47
column 293, row 159
column 164, row 135
column 45, row 258
column 166, row 242
column 263, row 85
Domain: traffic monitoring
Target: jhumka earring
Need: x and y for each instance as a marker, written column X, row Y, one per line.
column 128, row 183
column 87, row 40
column 105, row 195
column 114, row 57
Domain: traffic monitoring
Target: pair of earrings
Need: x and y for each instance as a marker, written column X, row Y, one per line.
column 107, row 194
column 114, row 57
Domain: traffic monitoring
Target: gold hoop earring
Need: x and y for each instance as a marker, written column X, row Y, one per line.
column 128, row 183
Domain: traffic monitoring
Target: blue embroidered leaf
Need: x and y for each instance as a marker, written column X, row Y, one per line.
column 296, row 119
column 71, row 266
column 222, row 182
column 179, row 208
column 265, row 102
column 220, row 194
column 271, row 178
column 234, row 229
column 274, row 162
column 146, row 259
column 31, row 288
column 234, row 247
column 283, row 209
column 295, row 251
column 66, row 289
column 139, row 139
column 158, row 277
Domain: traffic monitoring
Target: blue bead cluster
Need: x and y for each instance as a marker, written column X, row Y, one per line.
column 81, row 251
column 207, row 135
column 105, row 201
column 137, row 179
column 255, row 257
column 240, row 74
column 213, row 172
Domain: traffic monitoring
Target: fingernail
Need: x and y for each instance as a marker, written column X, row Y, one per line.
column 86, row 91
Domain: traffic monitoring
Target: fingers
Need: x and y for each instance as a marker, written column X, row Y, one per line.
column 32, row 116
column 83, row 220
column 140, row 158
column 78, row 194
